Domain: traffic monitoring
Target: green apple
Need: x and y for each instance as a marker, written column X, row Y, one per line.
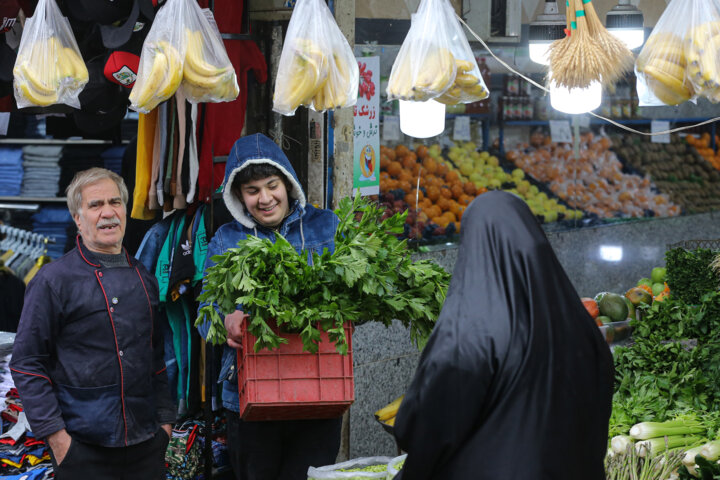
column 657, row 288
column 658, row 274
column 645, row 281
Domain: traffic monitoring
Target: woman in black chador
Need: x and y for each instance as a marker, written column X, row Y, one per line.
column 515, row 382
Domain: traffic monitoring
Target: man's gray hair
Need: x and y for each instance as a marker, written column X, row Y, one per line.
column 88, row 177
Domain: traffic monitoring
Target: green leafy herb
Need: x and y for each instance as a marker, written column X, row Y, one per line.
column 369, row 277
column 690, row 274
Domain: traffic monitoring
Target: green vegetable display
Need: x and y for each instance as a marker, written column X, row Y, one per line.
column 369, row 277
column 689, row 273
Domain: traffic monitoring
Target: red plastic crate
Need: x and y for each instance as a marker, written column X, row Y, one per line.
column 289, row 384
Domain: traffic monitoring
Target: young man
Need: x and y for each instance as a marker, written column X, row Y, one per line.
column 263, row 194
column 88, row 359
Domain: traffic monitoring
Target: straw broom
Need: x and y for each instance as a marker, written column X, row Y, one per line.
column 581, row 63
column 617, row 59
column 558, row 48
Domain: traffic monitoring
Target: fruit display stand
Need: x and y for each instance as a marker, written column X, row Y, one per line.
column 677, row 170
column 288, row 383
column 596, row 182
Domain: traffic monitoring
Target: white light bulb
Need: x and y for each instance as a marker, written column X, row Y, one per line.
column 422, row 119
column 576, row 100
column 539, row 52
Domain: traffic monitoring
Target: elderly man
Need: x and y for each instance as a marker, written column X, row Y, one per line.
column 88, row 356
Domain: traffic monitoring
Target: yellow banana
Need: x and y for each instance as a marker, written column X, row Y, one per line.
column 437, row 72
column 400, row 82
column 194, row 59
column 389, row 410
column 464, row 66
column 390, row 421
column 174, row 73
column 209, row 83
column 35, row 97
column 297, row 88
column 666, row 88
column 466, row 80
column 80, row 71
column 144, row 90
column 231, row 90
column 708, row 61
column 448, row 99
column 43, row 82
column 319, row 100
column 670, row 68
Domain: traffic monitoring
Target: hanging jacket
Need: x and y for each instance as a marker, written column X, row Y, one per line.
column 306, row 228
column 87, row 356
column 515, row 381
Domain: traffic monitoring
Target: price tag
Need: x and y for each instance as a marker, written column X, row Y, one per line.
column 560, row 131
column 391, row 128
column 461, row 129
column 660, row 126
column 4, row 122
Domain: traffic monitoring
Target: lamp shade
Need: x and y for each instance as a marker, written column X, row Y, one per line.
column 422, row 119
column 575, row 100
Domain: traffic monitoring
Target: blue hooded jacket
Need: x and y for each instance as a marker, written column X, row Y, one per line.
column 306, row 228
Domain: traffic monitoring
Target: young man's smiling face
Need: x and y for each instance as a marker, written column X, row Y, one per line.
column 266, row 200
column 102, row 217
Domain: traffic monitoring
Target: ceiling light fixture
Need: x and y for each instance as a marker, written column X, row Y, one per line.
column 625, row 21
column 547, row 27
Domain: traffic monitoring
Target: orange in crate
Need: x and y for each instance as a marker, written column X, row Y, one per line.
column 289, row 384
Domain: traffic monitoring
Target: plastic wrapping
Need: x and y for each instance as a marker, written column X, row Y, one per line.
column 317, row 66
column 394, row 466
column 208, row 74
column 335, row 472
column 469, row 85
column 182, row 50
column 49, row 68
column 681, row 59
column 435, row 60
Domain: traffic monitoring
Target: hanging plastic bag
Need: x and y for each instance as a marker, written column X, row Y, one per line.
column 681, row 59
column 317, row 66
column 395, row 465
column 340, row 471
column 49, row 68
column 208, row 74
column 161, row 61
column 468, row 85
column 425, row 66
column 182, row 50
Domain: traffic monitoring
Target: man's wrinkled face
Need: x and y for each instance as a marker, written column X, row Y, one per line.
column 102, row 217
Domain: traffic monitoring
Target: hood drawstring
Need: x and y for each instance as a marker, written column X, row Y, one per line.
column 302, row 236
column 255, row 228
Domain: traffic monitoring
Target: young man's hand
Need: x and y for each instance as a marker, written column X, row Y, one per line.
column 233, row 323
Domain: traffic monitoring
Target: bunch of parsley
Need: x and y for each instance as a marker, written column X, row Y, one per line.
column 369, row 277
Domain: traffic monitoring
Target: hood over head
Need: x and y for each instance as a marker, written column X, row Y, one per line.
column 254, row 149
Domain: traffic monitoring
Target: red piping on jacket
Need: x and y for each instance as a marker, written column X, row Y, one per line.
column 152, row 320
column 117, row 352
column 77, row 241
column 33, row 374
column 161, row 370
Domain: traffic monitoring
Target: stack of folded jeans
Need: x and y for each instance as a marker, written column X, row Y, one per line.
column 11, row 171
column 54, row 221
column 76, row 158
column 113, row 158
column 42, row 170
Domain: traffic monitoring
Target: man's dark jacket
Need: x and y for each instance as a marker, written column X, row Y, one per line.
column 88, row 355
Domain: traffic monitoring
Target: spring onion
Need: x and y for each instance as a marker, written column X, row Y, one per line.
column 648, row 430
column 654, row 446
column 689, row 458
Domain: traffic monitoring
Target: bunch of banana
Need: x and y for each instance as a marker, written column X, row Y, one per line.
column 435, row 74
column 702, row 45
column 664, row 64
column 45, row 69
column 337, row 89
column 159, row 83
column 301, row 75
column 466, row 88
column 387, row 414
column 203, row 81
